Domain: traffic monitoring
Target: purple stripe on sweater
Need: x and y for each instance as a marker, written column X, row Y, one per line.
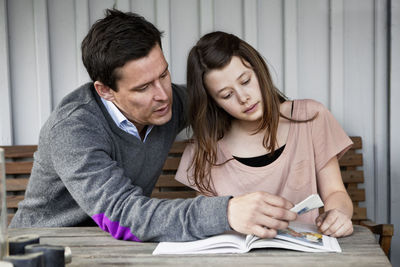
column 116, row 230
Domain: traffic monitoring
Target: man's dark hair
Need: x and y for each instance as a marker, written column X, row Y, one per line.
column 115, row 40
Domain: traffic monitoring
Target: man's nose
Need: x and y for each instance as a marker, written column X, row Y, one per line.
column 161, row 93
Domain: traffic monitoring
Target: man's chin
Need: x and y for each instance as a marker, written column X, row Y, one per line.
column 163, row 120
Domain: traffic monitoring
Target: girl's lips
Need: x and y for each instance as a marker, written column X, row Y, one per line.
column 251, row 108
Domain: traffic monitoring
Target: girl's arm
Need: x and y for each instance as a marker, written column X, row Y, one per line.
column 336, row 220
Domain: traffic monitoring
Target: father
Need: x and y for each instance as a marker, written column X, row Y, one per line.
column 102, row 150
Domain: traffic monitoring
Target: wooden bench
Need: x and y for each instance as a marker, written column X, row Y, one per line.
column 19, row 160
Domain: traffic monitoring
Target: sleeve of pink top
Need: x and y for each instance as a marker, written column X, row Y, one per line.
column 183, row 173
column 328, row 137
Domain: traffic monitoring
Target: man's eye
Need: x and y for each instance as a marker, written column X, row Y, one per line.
column 142, row 88
column 164, row 74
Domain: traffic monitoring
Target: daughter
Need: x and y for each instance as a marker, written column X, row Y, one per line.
column 248, row 137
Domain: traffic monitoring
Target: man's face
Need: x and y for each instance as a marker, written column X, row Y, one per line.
column 144, row 93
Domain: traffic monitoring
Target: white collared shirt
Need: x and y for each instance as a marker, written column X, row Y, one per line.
column 122, row 122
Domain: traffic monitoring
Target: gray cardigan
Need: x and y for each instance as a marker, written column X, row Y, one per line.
column 87, row 169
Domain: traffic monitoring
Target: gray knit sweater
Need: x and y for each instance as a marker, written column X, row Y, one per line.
column 87, row 169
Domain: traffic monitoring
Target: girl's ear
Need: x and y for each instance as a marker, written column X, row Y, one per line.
column 104, row 91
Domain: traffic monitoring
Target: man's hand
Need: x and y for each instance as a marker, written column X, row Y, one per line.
column 260, row 213
column 334, row 223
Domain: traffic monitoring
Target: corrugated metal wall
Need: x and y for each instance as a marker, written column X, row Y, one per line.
column 334, row 51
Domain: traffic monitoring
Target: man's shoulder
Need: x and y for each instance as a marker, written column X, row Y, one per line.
column 180, row 90
column 80, row 103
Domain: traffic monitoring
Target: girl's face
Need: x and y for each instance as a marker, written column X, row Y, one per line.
column 235, row 88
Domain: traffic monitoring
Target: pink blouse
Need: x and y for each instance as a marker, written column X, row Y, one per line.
column 293, row 175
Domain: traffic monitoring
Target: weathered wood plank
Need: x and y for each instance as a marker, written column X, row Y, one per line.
column 351, row 160
column 19, row 151
column 353, row 176
column 21, row 167
column 359, row 213
column 171, row 164
column 357, row 142
column 92, row 247
column 168, row 181
column 18, row 184
column 356, row 194
column 178, row 147
column 12, row 201
column 174, row 194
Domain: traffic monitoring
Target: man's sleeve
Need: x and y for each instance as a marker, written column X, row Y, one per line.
column 81, row 157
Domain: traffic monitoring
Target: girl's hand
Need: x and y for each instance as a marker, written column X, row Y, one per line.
column 334, row 223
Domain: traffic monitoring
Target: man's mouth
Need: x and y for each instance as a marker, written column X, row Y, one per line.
column 162, row 110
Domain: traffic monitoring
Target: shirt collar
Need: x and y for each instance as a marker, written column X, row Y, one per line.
column 122, row 122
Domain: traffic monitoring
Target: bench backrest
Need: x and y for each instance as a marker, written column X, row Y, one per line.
column 19, row 160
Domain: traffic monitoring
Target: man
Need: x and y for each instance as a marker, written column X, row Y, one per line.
column 102, row 149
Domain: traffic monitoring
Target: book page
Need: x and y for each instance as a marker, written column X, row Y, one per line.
column 308, row 235
column 225, row 243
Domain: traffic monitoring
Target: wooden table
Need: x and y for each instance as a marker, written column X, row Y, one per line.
column 92, row 247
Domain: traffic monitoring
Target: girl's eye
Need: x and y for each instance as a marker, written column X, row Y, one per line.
column 164, row 74
column 227, row 96
column 246, row 82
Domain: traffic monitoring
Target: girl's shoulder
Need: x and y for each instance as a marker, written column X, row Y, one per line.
column 307, row 108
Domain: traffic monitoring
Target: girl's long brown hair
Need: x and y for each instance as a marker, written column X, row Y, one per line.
column 209, row 122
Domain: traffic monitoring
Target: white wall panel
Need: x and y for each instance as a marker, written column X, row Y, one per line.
column 43, row 83
column 250, row 22
column 82, row 24
column 23, row 72
column 63, row 49
column 336, row 59
column 184, row 34
column 6, row 134
column 395, row 129
column 270, row 37
column 228, row 16
column 162, row 21
column 381, row 123
column 313, row 50
column 97, row 7
column 290, row 49
column 359, row 84
column 206, row 12
column 146, row 8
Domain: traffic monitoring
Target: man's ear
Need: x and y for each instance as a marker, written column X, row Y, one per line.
column 104, row 91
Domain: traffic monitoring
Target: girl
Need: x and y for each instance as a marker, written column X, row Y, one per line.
column 248, row 137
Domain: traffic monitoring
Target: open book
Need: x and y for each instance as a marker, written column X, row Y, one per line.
column 298, row 236
column 301, row 237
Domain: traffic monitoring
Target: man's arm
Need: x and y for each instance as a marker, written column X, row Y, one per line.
column 81, row 157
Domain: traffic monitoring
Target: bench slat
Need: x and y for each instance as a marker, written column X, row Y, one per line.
column 349, row 159
column 168, row 181
column 174, row 194
column 178, row 147
column 357, row 142
column 19, row 184
column 356, row 194
column 12, row 201
column 171, row 164
column 19, row 151
column 353, row 176
column 359, row 213
column 20, row 167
